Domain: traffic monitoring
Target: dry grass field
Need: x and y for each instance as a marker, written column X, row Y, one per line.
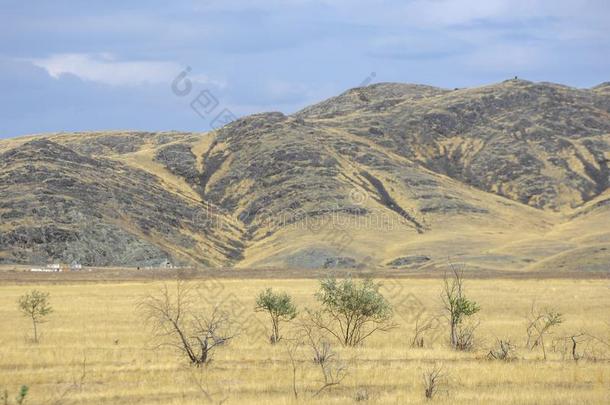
column 95, row 349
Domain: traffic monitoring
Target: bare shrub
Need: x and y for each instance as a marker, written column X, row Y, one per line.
column 333, row 371
column 601, row 346
column 177, row 323
column 291, row 350
column 435, row 381
column 504, row 350
column 332, row 368
column 322, row 352
column 541, row 323
column 362, row 395
column 423, row 326
column 465, row 336
column 580, row 345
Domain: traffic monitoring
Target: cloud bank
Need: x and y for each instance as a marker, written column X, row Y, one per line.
column 110, row 65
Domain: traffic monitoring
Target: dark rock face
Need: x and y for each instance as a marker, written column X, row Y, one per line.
column 96, row 211
column 98, row 244
column 518, row 139
column 409, row 261
column 340, row 263
column 284, row 173
column 180, row 160
column 385, row 199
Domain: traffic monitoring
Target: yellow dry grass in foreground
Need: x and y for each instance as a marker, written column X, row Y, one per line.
column 97, row 324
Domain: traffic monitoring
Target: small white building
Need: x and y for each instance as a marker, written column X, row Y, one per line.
column 50, row 268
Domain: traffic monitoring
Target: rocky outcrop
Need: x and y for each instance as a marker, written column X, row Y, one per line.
column 518, row 139
column 409, row 261
column 59, row 205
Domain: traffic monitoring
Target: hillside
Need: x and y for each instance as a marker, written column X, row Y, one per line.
column 510, row 176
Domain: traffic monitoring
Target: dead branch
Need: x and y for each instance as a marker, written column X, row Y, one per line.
column 175, row 322
column 422, row 327
column 435, row 380
column 540, row 324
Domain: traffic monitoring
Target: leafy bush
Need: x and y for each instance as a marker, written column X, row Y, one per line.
column 35, row 305
column 352, row 310
column 280, row 308
column 458, row 308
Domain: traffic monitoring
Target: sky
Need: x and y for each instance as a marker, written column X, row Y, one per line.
column 194, row 65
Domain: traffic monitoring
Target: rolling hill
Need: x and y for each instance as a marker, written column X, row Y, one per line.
column 509, row 176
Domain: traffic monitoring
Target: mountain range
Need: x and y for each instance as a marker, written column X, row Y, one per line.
column 508, row 176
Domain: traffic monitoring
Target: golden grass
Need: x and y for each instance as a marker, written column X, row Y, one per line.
column 98, row 324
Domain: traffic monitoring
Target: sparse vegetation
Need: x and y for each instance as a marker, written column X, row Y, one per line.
column 332, row 369
column 541, row 323
column 434, row 381
column 424, row 325
column 200, row 377
column 580, row 345
column 333, row 372
column 320, row 347
column 457, row 308
column 280, row 308
column 19, row 398
column 504, row 350
column 352, row 310
column 249, row 370
column 176, row 322
column 362, row 395
column 35, row 306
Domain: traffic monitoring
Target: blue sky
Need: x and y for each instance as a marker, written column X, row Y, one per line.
column 73, row 66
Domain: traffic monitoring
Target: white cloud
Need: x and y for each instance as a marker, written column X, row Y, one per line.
column 105, row 68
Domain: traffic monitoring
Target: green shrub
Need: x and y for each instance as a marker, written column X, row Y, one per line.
column 280, row 308
column 352, row 310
